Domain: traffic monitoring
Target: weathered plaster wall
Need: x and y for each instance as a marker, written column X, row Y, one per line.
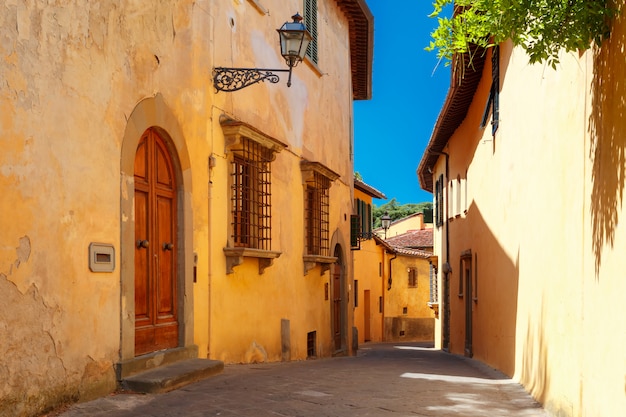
column 73, row 74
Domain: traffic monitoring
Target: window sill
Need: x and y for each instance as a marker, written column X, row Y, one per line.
column 311, row 261
column 234, row 257
column 435, row 308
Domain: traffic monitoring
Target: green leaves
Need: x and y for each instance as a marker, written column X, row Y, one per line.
column 541, row 27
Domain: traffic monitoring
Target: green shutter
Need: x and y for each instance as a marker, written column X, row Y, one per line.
column 354, row 232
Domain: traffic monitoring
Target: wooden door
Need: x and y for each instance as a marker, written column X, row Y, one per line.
column 468, row 308
column 367, row 316
column 337, row 306
column 156, row 309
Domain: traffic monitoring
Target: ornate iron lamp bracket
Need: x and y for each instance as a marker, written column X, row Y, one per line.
column 233, row 79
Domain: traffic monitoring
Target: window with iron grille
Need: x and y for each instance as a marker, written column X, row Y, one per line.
column 251, row 195
column 317, row 208
column 310, row 21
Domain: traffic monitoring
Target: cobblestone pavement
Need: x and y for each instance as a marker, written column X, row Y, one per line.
column 382, row 380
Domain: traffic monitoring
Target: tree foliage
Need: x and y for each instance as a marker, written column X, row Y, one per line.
column 541, row 27
column 398, row 211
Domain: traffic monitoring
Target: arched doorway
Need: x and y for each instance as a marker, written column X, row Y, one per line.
column 153, row 124
column 156, row 278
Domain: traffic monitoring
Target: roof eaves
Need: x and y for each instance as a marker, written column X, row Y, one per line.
column 361, row 28
column 368, row 189
column 455, row 108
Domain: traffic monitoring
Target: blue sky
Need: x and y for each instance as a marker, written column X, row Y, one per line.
column 393, row 128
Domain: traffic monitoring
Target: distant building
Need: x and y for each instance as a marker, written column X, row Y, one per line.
column 391, row 281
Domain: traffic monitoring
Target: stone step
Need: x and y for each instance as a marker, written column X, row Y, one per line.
column 172, row 376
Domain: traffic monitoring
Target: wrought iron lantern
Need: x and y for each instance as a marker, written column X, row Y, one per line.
column 294, row 40
column 385, row 220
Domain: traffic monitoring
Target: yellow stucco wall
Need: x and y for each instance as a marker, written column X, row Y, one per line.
column 544, row 200
column 81, row 81
column 417, row 323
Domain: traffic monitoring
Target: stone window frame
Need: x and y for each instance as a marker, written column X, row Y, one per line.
column 235, row 134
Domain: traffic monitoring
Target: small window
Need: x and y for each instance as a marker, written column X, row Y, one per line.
column 405, row 310
column 311, row 342
column 317, row 208
column 439, row 201
column 465, row 274
column 434, row 290
column 451, row 199
column 412, row 277
column 317, row 180
column 310, row 21
column 458, row 195
column 356, row 292
column 493, row 103
column 475, row 277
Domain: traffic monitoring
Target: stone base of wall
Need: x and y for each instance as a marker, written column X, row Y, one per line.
column 96, row 382
column 398, row 329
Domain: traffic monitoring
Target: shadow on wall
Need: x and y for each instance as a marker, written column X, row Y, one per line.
column 534, row 373
column 608, row 138
column 494, row 292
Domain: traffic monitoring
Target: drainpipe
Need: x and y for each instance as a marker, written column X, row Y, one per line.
column 389, row 280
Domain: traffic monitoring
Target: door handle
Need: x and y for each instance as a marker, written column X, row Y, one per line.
column 143, row 244
column 168, row 246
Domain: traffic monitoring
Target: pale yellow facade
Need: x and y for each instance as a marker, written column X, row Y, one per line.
column 81, row 84
column 408, row 316
column 530, row 244
column 412, row 222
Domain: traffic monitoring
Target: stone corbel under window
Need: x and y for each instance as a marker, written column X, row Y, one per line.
column 310, row 261
column 234, row 257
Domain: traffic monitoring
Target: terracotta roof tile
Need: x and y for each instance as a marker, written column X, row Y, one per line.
column 413, row 239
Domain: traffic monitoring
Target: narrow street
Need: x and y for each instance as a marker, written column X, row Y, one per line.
column 406, row 379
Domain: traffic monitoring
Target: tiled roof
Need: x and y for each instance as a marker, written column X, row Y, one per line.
column 452, row 114
column 368, row 189
column 402, row 251
column 413, row 252
column 361, row 27
column 413, row 239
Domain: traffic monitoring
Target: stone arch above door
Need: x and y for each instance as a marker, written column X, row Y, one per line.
column 154, row 113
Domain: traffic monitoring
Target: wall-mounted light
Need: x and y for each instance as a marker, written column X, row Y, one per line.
column 294, row 39
column 385, row 221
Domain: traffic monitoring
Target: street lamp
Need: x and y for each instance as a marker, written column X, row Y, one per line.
column 385, row 220
column 294, row 39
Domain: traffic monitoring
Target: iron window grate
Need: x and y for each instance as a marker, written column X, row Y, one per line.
column 251, row 196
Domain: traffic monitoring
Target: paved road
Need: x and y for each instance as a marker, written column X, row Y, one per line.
column 383, row 380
